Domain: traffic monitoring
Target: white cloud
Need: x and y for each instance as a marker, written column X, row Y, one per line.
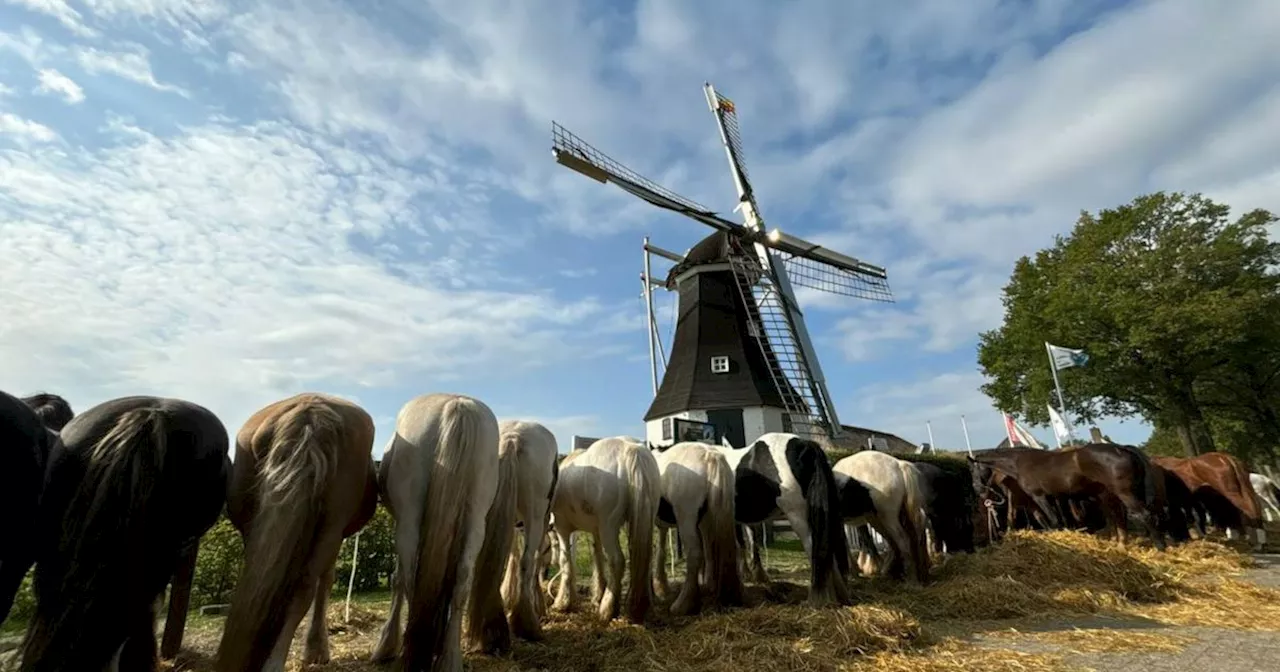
column 5, row 90
column 54, row 82
column 133, row 64
column 219, row 266
column 24, row 131
column 71, row 19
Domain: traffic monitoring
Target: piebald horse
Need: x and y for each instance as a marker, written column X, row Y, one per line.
column 532, row 451
column 1268, row 494
column 896, row 490
column 614, row 482
column 302, row 480
column 698, row 499
column 785, row 476
column 25, row 444
column 439, row 479
column 132, row 486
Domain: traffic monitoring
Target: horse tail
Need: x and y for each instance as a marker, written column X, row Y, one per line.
column 826, row 527
column 1253, row 512
column 912, row 517
column 721, row 531
column 109, row 512
column 486, row 624
column 645, row 483
column 442, row 533
column 292, row 487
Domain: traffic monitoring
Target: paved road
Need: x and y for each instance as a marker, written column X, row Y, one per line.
column 1210, row 649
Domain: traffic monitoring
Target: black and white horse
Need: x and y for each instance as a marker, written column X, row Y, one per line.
column 785, row 476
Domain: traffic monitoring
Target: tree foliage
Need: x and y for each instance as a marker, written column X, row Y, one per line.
column 1173, row 301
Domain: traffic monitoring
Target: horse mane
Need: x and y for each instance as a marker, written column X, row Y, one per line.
column 54, row 411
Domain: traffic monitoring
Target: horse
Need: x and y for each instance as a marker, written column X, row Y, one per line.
column 1268, row 494
column 130, row 489
column 615, row 481
column 25, row 444
column 302, row 481
column 530, row 450
column 697, row 499
column 1097, row 469
column 786, row 476
column 949, row 503
column 439, row 479
column 53, row 410
column 1218, row 475
column 897, row 496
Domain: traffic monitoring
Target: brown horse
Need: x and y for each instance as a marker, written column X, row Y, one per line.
column 1222, row 475
column 1096, row 470
column 303, row 479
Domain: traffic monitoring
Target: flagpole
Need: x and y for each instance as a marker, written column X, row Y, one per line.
column 965, row 426
column 1062, row 404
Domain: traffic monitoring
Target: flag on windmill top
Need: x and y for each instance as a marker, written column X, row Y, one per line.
column 1065, row 358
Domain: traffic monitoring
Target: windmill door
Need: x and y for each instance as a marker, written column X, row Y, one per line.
column 729, row 425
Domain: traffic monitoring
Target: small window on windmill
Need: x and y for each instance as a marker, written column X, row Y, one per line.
column 720, row 364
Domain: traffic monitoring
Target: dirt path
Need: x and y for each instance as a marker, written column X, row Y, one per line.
column 1203, row 650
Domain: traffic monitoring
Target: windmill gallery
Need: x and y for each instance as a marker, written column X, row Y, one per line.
column 480, row 512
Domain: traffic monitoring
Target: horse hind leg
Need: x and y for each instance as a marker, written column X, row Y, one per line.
column 566, row 593
column 661, row 586
column 611, row 604
column 138, row 651
column 689, row 601
column 316, row 651
column 526, row 612
column 388, row 646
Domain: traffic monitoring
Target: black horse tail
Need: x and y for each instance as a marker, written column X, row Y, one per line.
column 89, row 591
column 830, row 550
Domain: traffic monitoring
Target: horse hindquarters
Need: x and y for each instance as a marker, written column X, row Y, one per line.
column 487, row 629
column 721, row 533
column 461, row 489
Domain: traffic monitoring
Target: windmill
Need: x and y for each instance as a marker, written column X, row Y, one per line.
column 742, row 363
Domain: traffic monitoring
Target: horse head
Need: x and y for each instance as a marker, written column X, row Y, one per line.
column 54, row 411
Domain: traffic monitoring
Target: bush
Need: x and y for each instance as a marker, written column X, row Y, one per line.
column 218, row 564
column 377, row 555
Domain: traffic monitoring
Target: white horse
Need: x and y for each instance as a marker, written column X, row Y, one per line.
column 1268, row 493
column 895, row 491
column 697, row 499
column 439, row 479
column 785, row 476
column 532, row 450
column 613, row 482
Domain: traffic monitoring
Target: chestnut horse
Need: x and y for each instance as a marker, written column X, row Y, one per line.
column 128, row 491
column 303, row 479
column 1214, row 475
column 1097, row 470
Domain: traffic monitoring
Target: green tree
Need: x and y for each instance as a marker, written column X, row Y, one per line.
column 1165, row 294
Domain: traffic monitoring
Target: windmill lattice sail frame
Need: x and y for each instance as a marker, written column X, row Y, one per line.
column 766, row 266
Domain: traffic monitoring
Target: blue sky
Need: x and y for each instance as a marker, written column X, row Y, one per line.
column 231, row 202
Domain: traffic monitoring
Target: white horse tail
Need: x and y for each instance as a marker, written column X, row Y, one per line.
column 645, row 482
column 721, row 532
column 443, row 534
column 912, row 517
column 486, row 624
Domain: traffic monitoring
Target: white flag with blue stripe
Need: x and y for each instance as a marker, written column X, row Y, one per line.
column 1065, row 358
